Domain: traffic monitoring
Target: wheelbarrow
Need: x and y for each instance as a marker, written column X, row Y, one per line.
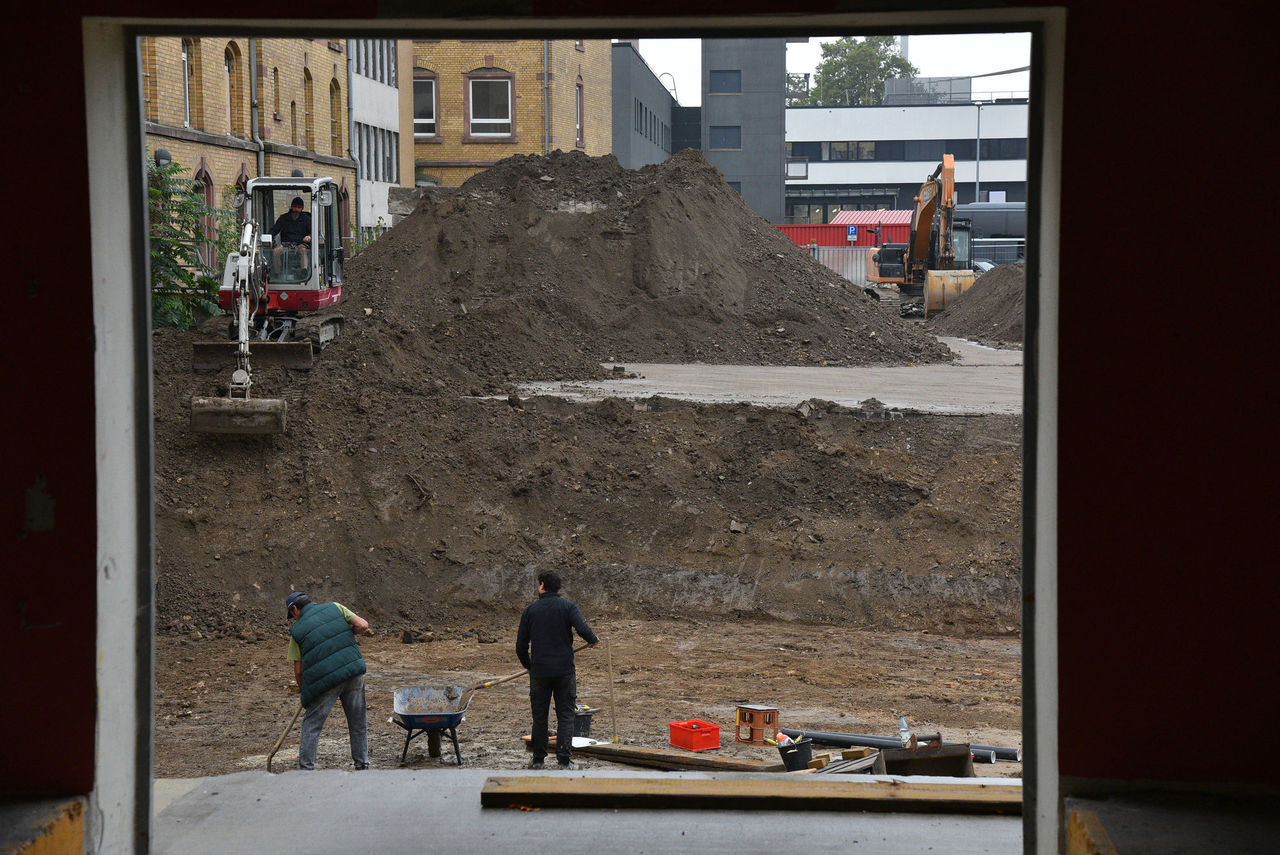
column 430, row 710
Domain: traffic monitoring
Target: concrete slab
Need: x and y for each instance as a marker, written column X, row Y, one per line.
column 983, row 380
column 414, row 811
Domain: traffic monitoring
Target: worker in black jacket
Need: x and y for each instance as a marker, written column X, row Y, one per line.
column 293, row 228
column 547, row 627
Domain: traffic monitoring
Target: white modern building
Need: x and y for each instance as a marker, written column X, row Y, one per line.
column 377, row 107
column 872, row 158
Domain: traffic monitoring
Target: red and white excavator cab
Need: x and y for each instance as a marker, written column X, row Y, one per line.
column 301, row 275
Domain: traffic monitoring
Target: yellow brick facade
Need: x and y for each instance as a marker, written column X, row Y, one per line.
column 450, row 156
column 198, row 110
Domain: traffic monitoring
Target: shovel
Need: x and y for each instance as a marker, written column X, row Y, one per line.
column 280, row 741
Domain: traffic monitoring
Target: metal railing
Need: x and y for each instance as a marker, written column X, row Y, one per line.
column 851, row 261
column 362, row 236
column 848, row 261
column 998, row 250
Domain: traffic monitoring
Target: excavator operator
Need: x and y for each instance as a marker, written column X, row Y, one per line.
column 293, row 228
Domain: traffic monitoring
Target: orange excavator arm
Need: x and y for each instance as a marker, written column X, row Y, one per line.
column 926, row 205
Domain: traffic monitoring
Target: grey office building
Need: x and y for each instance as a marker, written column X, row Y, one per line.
column 643, row 110
column 744, row 88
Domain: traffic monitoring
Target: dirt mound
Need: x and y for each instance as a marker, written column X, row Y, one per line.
column 991, row 312
column 543, row 267
column 401, row 487
column 421, row 506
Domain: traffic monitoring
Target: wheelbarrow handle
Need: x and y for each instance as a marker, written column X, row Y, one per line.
column 487, row 683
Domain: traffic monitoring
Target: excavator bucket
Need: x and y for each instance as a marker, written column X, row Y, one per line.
column 238, row 416
column 214, row 355
column 944, row 287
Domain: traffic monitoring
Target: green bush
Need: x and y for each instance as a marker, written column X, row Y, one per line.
column 188, row 239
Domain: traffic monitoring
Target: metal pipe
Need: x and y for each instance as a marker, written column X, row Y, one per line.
column 546, row 97
column 254, row 129
column 848, row 740
column 351, row 141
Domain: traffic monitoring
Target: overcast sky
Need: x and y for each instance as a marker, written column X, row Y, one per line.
column 935, row 56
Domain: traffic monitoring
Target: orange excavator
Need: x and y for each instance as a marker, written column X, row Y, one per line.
column 932, row 268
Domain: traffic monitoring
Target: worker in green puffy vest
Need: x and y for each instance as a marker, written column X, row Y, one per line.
column 328, row 667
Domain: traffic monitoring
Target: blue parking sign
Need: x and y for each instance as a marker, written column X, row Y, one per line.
column 853, row 233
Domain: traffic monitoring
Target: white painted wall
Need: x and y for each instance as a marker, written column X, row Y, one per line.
column 376, row 104
column 907, row 172
column 952, row 121
column 817, row 124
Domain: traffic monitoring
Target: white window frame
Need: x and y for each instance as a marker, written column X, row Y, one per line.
column 435, row 106
column 473, row 121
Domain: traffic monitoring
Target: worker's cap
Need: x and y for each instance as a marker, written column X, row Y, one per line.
column 297, row 598
column 297, row 202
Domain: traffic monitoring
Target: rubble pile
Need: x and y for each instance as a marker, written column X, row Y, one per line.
column 991, row 311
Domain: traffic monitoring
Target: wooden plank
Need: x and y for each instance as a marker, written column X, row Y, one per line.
column 857, row 752
column 1086, row 834
column 664, row 758
column 857, row 764
column 780, row 792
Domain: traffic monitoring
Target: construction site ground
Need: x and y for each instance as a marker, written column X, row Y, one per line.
column 845, row 562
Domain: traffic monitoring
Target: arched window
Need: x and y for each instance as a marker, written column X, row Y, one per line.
column 235, row 90
column 192, row 90
column 242, row 184
column 203, row 187
column 275, row 90
column 335, row 118
column 344, row 216
column 150, row 104
column 308, row 111
column 293, row 123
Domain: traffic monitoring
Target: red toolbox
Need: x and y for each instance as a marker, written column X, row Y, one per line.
column 695, row 735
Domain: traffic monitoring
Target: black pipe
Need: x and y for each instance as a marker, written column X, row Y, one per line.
column 848, row 740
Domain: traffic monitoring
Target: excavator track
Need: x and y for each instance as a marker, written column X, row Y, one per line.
column 309, row 336
column 318, row 329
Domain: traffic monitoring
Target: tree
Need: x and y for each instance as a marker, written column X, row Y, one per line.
column 187, row 238
column 852, row 72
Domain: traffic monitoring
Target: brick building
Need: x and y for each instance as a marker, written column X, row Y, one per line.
column 477, row 102
column 197, row 95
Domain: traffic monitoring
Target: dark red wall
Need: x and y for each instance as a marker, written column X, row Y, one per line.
column 1167, row 580
column 1167, row 584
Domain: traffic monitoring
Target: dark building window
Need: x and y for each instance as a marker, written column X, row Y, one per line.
column 930, row 150
column 736, row 185
column 489, row 112
column 891, row 150
column 1004, row 149
column 725, row 136
column 725, row 81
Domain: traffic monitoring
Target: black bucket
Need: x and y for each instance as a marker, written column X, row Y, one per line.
column 797, row 755
column 582, row 720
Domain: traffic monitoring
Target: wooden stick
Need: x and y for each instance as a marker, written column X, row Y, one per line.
column 608, row 649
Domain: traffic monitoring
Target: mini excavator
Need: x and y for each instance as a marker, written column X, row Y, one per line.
column 280, row 290
column 933, row 266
